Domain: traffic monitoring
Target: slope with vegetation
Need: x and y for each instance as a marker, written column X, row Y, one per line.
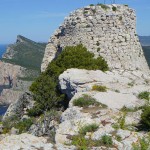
column 45, row 88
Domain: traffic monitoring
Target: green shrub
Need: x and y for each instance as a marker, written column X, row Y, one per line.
column 118, row 138
column 97, row 43
column 107, row 140
column 85, row 101
column 114, row 8
column 120, row 18
column 145, row 117
column 91, row 4
column 98, row 49
column 45, row 88
column 144, row 95
column 131, row 83
column 105, row 7
column 80, row 142
column 122, row 121
column 125, row 109
column 36, row 110
column 85, row 12
column 9, row 123
column 99, row 88
column 88, row 128
column 24, row 125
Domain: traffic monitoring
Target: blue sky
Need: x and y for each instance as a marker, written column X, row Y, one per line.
column 37, row 19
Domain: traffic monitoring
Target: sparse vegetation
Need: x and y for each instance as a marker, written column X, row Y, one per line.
column 85, row 101
column 88, row 128
column 142, row 145
column 144, row 95
column 9, row 123
column 99, row 88
column 118, row 138
column 117, row 91
column 83, row 143
column 97, row 43
column 24, row 125
column 131, row 84
column 106, row 140
column 114, row 8
column 98, row 49
column 85, row 12
column 120, row 18
column 125, row 109
column 145, row 117
column 122, row 121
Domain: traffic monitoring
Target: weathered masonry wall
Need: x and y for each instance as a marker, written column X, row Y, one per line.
column 108, row 31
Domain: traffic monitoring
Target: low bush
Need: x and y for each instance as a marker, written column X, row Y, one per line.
column 85, row 101
column 24, row 125
column 120, row 18
column 118, row 138
column 99, row 88
column 125, row 109
column 88, row 128
column 145, row 117
column 106, row 140
column 114, row 8
column 83, row 143
column 122, row 121
column 91, row 4
column 144, row 95
column 9, row 123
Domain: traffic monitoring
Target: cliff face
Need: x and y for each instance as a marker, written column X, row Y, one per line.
column 108, row 31
column 18, row 67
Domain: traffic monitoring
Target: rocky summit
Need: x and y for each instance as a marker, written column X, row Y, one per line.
column 105, row 110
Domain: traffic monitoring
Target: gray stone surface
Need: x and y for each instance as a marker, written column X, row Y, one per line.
column 19, row 107
column 25, row 142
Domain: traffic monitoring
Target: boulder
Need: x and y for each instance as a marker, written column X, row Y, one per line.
column 25, row 142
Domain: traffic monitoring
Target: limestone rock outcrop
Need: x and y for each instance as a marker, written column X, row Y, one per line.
column 109, row 32
column 25, row 142
column 20, row 106
column 123, row 88
column 74, row 81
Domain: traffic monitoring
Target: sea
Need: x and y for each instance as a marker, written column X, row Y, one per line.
column 2, row 108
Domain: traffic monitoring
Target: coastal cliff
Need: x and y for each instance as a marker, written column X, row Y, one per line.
column 19, row 66
column 105, row 106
